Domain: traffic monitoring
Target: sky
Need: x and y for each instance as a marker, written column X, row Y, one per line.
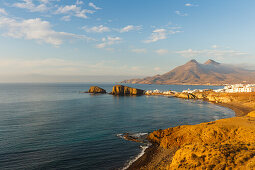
column 111, row 40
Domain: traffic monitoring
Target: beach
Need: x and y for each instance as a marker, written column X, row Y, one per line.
column 174, row 148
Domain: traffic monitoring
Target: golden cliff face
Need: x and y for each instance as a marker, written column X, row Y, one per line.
column 246, row 99
column 214, row 145
column 96, row 89
column 222, row 144
column 124, row 90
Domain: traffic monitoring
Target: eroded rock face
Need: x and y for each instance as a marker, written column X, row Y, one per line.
column 96, row 89
column 186, row 96
column 124, row 90
column 222, row 144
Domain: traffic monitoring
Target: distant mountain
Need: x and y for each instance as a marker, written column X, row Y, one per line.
column 194, row 73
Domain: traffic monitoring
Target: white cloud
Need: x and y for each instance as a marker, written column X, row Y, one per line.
column 108, row 41
column 36, row 29
column 188, row 4
column 161, row 51
column 74, row 10
column 78, row 2
column 210, row 53
column 66, row 18
column 97, row 29
column 215, row 46
column 160, row 34
column 157, row 34
column 139, row 50
column 2, row 11
column 130, row 28
column 55, row 66
column 181, row 14
column 156, row 69
column 44, row 1
column 28, row 4
column 94, row 6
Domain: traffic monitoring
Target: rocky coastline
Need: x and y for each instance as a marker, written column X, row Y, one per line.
column 222, row 144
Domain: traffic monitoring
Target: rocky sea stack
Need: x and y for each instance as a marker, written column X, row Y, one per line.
column 125, row 91
column 96, row 89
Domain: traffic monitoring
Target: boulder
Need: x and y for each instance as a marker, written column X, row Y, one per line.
column 251, row 114
column 96, row 89
column 186, row 96
column 124, row 90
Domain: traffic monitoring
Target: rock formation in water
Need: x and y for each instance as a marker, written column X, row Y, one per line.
column 124, row 90
column 96, row 89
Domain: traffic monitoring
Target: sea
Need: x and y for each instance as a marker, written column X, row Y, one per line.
column 57, row 126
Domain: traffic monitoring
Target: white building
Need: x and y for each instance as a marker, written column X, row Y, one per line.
column 239, row 88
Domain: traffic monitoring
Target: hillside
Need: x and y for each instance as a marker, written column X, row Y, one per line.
column 211, row 72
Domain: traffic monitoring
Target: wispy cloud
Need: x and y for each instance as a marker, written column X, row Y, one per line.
column 74, row 10
column 161, row 34
column 96, row 29
column 3, row 12
column 36, row 29
column 215, row 46
column 161, row 51
column 28, row 4
column 94, row 6
column 190, row 5
column 78, row 2
column 66, row 18
column 130, row 28
column 211, row 53
column 158, row 34
column 108, row 41
column 181, row 13
column 139, row 50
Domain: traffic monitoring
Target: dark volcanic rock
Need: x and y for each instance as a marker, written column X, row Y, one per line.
column 124, row 90
column 96, row 89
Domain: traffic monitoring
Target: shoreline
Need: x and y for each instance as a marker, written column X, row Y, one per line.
column 152, row 152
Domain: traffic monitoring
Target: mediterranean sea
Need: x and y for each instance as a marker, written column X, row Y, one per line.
column 55, row 126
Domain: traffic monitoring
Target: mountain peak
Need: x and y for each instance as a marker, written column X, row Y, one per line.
column 210, row 61
column 193, row 61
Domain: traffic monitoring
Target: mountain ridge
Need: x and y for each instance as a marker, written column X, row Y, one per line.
column 195, row 73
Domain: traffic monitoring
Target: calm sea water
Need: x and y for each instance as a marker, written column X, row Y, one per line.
column 54, row 126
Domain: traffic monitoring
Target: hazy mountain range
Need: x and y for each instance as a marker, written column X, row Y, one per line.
column 210, row 72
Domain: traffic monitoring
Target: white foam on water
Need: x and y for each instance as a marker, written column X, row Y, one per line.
column 139, row 134
column 143, row 148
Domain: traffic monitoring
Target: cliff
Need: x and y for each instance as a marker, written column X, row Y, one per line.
column 222, row 144
column 241, row 103
column 124, row 90
column 226, row 143
column 96, row 89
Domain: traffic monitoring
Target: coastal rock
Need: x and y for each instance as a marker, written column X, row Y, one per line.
column 96, row 89
column 222, row 144
column 200, row 95
column 251, row 114
column 124, row 90
column 186, row 96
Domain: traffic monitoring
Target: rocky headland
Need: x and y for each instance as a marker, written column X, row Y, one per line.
column 222, row 144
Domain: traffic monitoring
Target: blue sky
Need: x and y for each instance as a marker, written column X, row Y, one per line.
column 121, row 37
